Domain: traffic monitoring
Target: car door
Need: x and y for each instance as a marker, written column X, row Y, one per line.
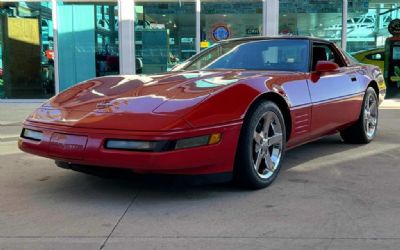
column 336, row 98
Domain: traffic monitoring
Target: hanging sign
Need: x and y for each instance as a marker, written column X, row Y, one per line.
column 394, row 27
column 220, row 32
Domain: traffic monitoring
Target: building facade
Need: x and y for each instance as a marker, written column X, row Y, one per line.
column 48, row 46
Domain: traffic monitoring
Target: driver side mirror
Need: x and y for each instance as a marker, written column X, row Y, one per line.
column 326, row 66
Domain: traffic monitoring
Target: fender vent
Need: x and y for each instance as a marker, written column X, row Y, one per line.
column 301, row 122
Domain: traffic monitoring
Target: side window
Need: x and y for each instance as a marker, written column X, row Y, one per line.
column 375, row 56
column 270, row 55
column 324, row 52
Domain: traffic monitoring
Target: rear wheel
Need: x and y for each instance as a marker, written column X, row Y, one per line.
column 261, row 146
column 364, row 130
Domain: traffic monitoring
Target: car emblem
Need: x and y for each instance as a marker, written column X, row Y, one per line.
column 103, row 105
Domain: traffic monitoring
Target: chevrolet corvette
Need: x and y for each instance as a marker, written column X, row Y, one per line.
column 230, row 111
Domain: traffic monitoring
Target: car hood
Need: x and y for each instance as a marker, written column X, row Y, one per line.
column 150, row 103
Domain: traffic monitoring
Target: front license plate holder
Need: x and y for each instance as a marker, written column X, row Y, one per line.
column 67, row 146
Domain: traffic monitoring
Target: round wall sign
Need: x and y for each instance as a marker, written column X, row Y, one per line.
column 394, row 27
column 220, row 32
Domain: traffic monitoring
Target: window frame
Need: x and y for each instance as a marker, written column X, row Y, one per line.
column 333, row 48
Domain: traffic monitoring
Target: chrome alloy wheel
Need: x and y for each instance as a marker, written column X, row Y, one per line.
column 370, row 116
column 267, row 145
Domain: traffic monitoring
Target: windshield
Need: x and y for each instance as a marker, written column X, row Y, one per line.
column 275, row 54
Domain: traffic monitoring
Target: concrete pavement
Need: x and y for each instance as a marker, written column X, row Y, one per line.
column 11, row 117
column 329, row 195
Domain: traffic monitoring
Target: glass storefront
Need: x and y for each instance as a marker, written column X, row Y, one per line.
column 106, row 33
column 225, row 19
column 165, row 34
column 321, row 19
column 87, row 41
column 368, row 27
column 26, row 50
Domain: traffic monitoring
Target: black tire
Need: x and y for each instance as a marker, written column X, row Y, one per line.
column 358, row 132
column 245, row 173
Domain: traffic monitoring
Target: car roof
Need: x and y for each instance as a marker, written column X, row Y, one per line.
column 258, row 38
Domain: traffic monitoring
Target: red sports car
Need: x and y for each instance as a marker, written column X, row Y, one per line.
column 230, row 111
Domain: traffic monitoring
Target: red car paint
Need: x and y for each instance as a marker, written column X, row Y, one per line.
column 178, row 105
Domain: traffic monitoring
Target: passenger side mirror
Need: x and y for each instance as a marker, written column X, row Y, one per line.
column 323, row 67
column 326, row 66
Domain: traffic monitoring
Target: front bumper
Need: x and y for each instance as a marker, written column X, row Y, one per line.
column 89, row 149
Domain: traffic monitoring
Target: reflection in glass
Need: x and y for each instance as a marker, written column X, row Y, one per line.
column 165, row 34
column 107, row 51
column 368, row 27
column 222, row 19
column 311, row 18
column 88, row 41
column 26, row 50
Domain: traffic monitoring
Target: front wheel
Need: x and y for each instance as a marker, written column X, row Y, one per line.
column 261, row 146
column 365, row 129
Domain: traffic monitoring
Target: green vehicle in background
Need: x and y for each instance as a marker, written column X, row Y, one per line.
column 372, row 56
column 388, row 60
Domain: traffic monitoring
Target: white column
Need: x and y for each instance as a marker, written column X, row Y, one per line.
column 126, row 35
column 198, row 28
column 54, row 16
column 270, row 17
column 344, row 24
column 264, row 15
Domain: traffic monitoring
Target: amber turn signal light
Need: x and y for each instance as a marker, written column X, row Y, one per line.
column 215, row 138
